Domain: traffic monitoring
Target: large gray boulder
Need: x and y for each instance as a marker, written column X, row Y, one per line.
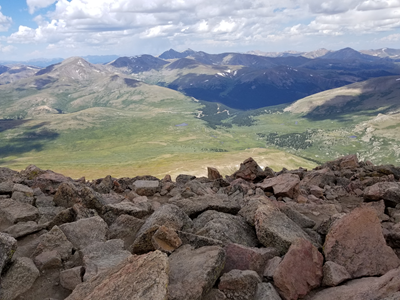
column 101, row 256
column 85, row 232
column 225, row 227
column 193, row 272
column 275, row 229
column 16, row 211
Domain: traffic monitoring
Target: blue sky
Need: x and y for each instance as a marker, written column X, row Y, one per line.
column 62, row 28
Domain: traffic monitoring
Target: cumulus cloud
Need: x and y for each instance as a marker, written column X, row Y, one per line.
column 5, row 22
column 104, row 23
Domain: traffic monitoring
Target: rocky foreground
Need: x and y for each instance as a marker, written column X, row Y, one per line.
column 329, row 233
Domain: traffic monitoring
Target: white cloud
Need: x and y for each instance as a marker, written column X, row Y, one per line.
column 5, row 22
column 35, row 4
column 105, row 24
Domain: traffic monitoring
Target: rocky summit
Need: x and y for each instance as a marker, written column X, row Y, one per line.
column 328, row 233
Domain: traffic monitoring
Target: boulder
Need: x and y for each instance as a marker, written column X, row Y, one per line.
column 364, row 288
column 18, row 279
column 297, row 217
column 247, row 258
column 70, row 278
column 300, row 270
column 6, row 174
column 8, row 246
column 266, row 291
column 360, row 232
column 85, row 232
column 23, row 228
column 239, row 284
column 275, row 229
column 125, row 228
column 48, row 260
column 101, row 256
column 168, row 215
column 270, row 267
column 249, row 209
column 213, row 173
column 56, row 240
column 388, row 191
column 249, row 170
column 196, row 205
column 193, row 272
column 16, row 211
column 214, row 294
column 67, row 195
column 319, row 178
column 166, row 239
column 225, row 227
column 284, row 185
column 6, row 187
column 334, row 274
column 197, row 241
column 147, row 187
column 139, row 210
column 143, row 277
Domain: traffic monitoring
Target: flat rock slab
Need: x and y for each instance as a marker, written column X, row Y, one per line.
column 23, row 228
column 19, row 278
column 85, row 232
column 356, row 242
column 300, row 270
column 218, row 202
column 143, row 277
column 225, row 227
column 193, row 272
column 125, row 227
column 137, row 210
column 275, row 229
column 16, row 211
column 101, row 256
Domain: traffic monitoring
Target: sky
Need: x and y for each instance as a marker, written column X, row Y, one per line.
column 32, row 29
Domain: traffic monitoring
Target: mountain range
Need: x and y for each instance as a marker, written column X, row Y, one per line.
column 152, row 113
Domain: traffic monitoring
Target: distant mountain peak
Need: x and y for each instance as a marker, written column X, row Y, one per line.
column 173, row 54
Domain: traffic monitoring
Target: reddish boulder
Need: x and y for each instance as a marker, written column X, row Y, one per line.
column 247, row 258
column 250, row 171
column 213, row 173
column 388, row 191
column 284, row 185
column 356, row 242
column 300, row 270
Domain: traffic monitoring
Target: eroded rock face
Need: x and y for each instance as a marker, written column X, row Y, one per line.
column 300, row 270
column 193, row 272
column 143, row 277
column 360, row 232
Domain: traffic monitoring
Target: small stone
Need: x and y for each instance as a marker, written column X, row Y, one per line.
column 334, row 274
column 70, row 278
column 166, row 239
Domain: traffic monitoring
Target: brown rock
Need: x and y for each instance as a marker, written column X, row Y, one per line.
column 8, row 245
column 166, row 240
column 143, row 277
column 125, row 228
column 388, row 191
column 67, row 195
column 193, row 272
column 48, row 260
column 300, row 270
column 250, row 171
column 247, row 258
column 317, row 191
column 284, row 185
column 214, row 294
column 349, row 162
column 213, row 173
column 239, row 284
column 334, row 274
column 16, row 211
column 364, row 288
column 356, row 242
